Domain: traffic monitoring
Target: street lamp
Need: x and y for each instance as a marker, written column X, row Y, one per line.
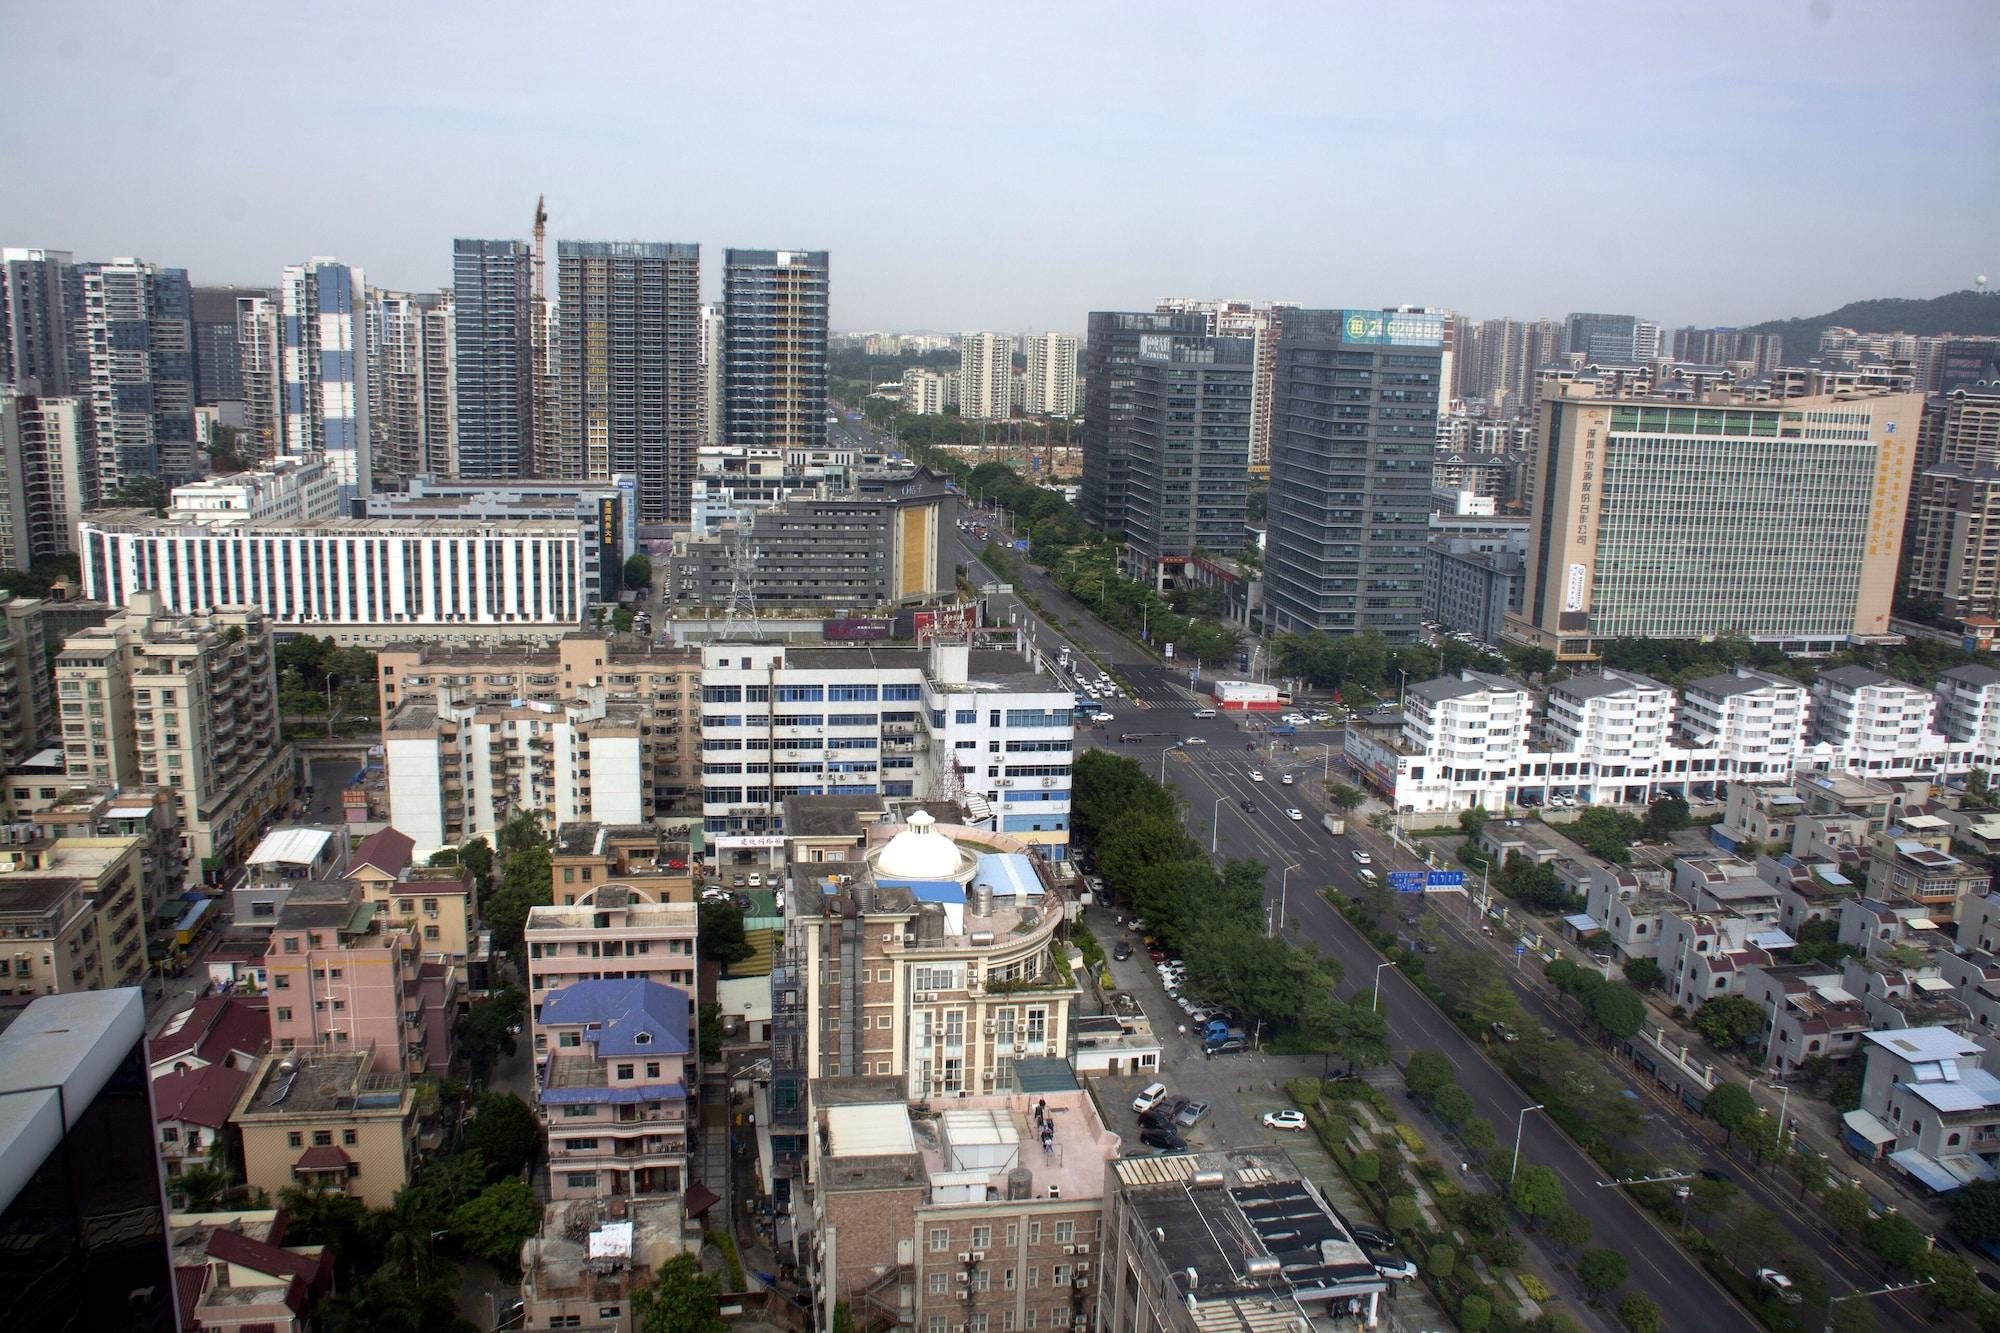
column 1378, row 981
column 1163, row 763
column 1520, row 1125
column 1215, row 824
column 1282, row 883
column 1783, row 1102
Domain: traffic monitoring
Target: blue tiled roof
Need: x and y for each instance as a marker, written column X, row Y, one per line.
column 1008, row 874
column 631, row 1016
column 928, row 890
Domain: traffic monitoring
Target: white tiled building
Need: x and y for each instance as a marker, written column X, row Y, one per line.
column 1968, row 708
column 1470, row 732
column 1753, row 720
column 1866, row 722
column 988, row 728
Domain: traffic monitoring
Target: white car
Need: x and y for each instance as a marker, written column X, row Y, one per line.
column 1361, row 858
column 1396, row 1270
column 1149, row 1096
column 1295, row 813
column 1780, row 1285
column 1102, row 717
column 1256, row 775
column 1195, row 740
column 1284, row 1119
column 1285, row 778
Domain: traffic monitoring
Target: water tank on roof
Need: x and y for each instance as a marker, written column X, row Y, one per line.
column 1020, row 1183
column 930, row 925
column 979, row 899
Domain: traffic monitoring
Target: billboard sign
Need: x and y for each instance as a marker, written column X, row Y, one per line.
column 1391, row 328
column 1445, row 879
column 1406, row 881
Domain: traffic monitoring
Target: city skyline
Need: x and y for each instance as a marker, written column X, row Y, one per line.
column 1133, row 189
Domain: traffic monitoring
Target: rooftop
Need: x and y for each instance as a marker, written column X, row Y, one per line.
column 291, row 847
column 830, row 816
column 212, row 1027
column 386, row 850
column 1248, row 1223
column 321, row 1081
column 630, row 1016
column 973, row 1150
column 1856, row 677
column 1925, row 1044
column 599, row 1250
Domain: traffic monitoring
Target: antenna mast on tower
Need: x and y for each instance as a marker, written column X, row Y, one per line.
column 541, row 386
column 741, row 619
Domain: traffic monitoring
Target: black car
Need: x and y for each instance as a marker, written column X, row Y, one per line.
column 1164, row 1139
column 1121, row 951
column 1248, row 807
column 1710, row 1173
column 1371, row 1237
column 1160, row 1117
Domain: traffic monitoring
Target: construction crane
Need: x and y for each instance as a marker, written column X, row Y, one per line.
column 538, row 337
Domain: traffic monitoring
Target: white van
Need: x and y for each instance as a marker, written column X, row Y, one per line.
column 1204, row 712
column 1367, row 875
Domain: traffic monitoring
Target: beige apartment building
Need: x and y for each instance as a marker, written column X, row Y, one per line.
column 110, row 876
column 1781, row 521
column 436, row 904
column 331, row 1118
column 27, row 701
column 188, row 703
column 613, row 932
column 151, row 815
column 666, row 682
column 586, row 855
column 1954, row 548
column 48, row 937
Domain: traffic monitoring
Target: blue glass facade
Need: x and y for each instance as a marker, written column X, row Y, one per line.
column 493, row 350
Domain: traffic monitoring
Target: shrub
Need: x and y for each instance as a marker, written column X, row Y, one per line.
column 1639, row 1313
column 1366, row 1168
column 1441, row 1261
column 1304, row 1092
column 1474, row 1313
column 1402, row 1212
column 1537, row 1289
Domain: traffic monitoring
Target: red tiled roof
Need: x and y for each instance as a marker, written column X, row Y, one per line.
column 233, row 1247
column 214, row 1027
column 386, row 850
column 203, row 1096
column 189, row 1283
column 700, row 1198
column 323, row 1159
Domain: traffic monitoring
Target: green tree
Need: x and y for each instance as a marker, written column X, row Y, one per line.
column 1344, row 797
column 1894, row 1239
column 1454, row 1105
column 1729, row 1021
column 1479, row 1137
column 1640, row 1313
column 1731, row 1106
column 1809, row 1169
column 1644, row 973
column 1402, row 1212
column 1955, row 1283
column 1667, row 814
column 682, row 1299
column 494, row 1225
column 477, row 856
column 143, row 492
column 1847, row 1208
column 1475, row 1313
column 1366, row 1167
column 526, row 882
column 638, row 572
column 485, row 1031
column 1852, row 1317
column 1471, row 821
column 1355, row 1031
column 709, row 1033
column 1428, row 1073
column 1537, row 1191
column 504, row 1132
column 521, row 831
column 721, row 936
column 1569, row 1228
column 201, row 1188
column 843, row 1318
column 1606, row 833
column 1617, row 1009
column 337, row 1221
column 1602, row 1271
column 1975, row 1211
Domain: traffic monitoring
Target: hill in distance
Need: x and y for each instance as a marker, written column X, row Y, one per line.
column 1966, row 312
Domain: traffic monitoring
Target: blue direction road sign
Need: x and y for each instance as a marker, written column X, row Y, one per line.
column 1445, row 879
column 1406, row 881
column 1520, row 949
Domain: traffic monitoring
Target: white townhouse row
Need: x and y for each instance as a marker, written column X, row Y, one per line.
column 1620, row 738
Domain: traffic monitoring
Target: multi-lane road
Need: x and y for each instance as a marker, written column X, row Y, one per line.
column 1214, row 778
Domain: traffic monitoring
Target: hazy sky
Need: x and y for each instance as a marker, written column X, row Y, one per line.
column 1012, row 166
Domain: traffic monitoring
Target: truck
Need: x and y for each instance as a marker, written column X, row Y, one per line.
column 1334, row 824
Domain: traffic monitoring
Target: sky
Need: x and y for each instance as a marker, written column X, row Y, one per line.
column 1012, row 167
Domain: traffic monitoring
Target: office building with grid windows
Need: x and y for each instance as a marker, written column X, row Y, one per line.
column 1780, row 522
column 774, row 350
column 1354, row 423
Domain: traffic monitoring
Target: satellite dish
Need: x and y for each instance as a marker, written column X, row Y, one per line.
column 1980, row 282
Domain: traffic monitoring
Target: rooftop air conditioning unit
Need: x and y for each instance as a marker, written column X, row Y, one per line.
column 979, row 1256
column 1069, row 1249
column 965, row 1256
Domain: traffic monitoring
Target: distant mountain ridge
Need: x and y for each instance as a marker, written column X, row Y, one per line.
column 1963, row 312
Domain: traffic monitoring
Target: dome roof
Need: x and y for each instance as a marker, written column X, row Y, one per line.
column 919, row 852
